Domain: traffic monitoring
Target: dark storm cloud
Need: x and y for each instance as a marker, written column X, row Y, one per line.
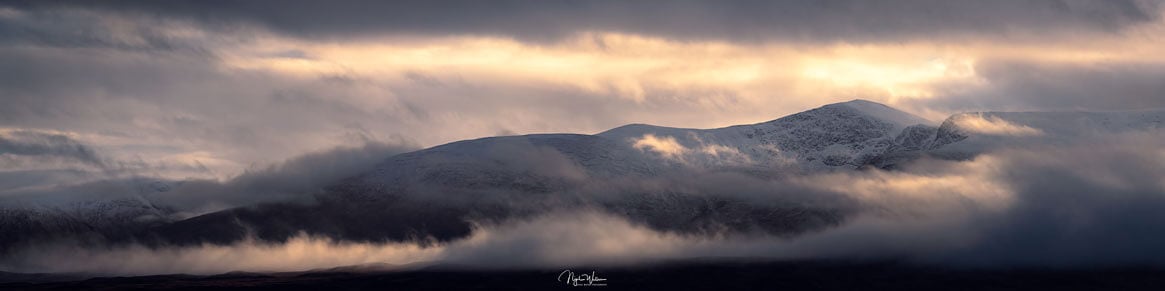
column 40, row 144
column 78, row 28
column 1021, row 85
column 60, row 85
column 831, row 20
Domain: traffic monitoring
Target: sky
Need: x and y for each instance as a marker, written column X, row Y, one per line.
column 214, row 89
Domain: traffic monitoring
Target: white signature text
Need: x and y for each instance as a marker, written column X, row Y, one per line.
column 584, row 279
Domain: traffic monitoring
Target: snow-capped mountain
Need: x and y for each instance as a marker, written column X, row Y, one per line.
column 842, row 135
column 435, row 190
column 845, row 135
column 655, row 175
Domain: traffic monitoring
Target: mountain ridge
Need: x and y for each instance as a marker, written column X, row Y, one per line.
column 862, row 105
column 435, row 192
column 839, row 134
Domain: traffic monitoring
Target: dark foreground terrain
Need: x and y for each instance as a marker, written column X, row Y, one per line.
column 676, row 276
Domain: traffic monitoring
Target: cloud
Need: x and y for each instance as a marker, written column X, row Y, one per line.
column 992, row 125
column 84, row 28
column 295, row 179
column 50, row 145
column 123, row 206
column 553, row 240
column 665, row 146
column 1014, row 85
column 559, row 239
column 299, row 254
column 525, row 157
column 699, row 154
column 813, row 21
column 39, row 159
column 191, row 92
column 1089, row 203
column 181, row 110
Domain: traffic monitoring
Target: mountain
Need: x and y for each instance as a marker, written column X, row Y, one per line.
column 669, row 179
column 438, row 194
column 846, row 135
column 434, row 192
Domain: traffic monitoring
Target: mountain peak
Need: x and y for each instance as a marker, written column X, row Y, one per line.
column 879, row 111
column 864, row 107
column 859, row 102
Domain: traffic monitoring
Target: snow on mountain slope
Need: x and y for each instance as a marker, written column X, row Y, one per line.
column 534, row 163
column 836, row 135
column 841, row 135
column 883, row 112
